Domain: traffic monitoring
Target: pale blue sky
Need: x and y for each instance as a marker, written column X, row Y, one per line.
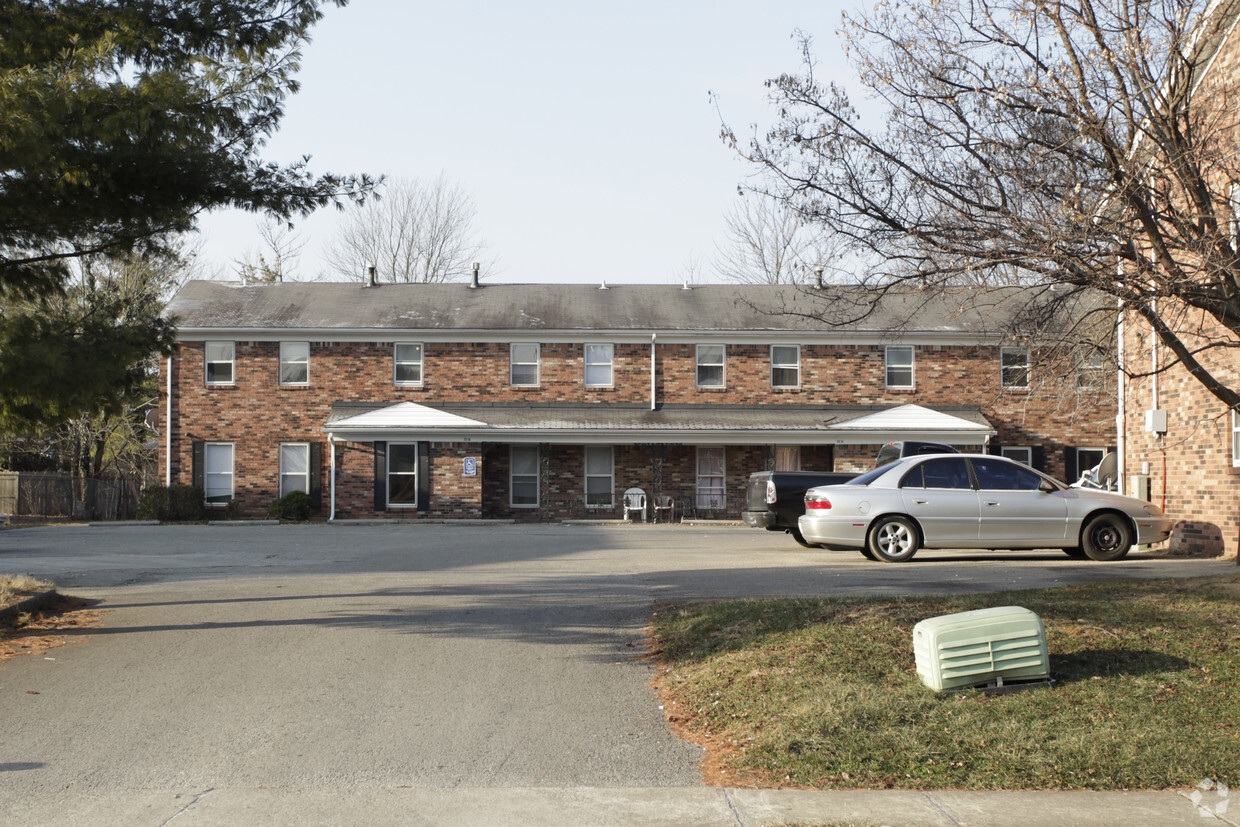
column 583, row 132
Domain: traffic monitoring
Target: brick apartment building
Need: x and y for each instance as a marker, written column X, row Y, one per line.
column 550, row 401
column 1177, row 441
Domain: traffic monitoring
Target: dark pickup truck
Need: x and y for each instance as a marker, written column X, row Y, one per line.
column 775, row 500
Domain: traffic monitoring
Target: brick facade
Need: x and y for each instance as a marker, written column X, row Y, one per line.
column 256, row 414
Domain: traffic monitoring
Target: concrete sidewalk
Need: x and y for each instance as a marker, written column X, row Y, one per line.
column 624, row 806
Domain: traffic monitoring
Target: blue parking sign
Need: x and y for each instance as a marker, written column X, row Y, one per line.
column 471, row 466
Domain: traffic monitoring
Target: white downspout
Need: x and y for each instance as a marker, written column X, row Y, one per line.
column 1121, row 415
column 653, row 405
column 168, row 430
column 331, row 442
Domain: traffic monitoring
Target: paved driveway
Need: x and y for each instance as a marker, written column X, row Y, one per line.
column 347, row 658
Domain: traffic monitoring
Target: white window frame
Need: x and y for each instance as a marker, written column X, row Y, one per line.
column 699, row 362
column 889, row 366
column 391, row 473
column 1004, row 367
column 1235, row 439
column 292, row 359
column 514, row 362
column 231, row 361
column 525, row 479
column 794, row 366
column 301, row 478
column 598, row 364
column 213, row 478
column 1090, row 371
column 407, row 362
column 1082, row 466
column 706, row 493
column 1020, row 453
column 610, row 476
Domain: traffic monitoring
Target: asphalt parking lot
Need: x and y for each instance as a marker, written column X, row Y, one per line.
column 337, row 659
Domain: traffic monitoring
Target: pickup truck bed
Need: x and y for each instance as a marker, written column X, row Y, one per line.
column 789, row 489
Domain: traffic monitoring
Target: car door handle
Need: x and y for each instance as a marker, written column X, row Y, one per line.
column 991, row 502
column 921, row 502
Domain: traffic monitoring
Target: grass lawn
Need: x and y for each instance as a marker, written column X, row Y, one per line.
column 16, row 587
column 823, row 693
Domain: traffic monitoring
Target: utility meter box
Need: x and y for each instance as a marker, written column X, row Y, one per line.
column 987, row 646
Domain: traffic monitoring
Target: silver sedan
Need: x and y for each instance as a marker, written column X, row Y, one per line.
column 974, row 501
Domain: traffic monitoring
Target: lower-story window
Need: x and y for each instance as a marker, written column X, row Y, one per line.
column 217, row 472
column 600, row 477
column 710, row 477
column 402, row 474
column 523, row 477
column 1020, row 453
column 294, row 467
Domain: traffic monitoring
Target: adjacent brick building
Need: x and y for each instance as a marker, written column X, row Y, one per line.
column 550, row 401
column 1179, row 443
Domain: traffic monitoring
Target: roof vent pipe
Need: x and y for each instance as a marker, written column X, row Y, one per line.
column 604, row 286
column 818, row 276
column 474, row 283
column 686, row 287
column 372, row 276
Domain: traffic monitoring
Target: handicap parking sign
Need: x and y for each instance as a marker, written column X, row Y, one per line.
column 471, row 466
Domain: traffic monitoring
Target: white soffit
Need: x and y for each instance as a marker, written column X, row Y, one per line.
column 406, row 415
column 911, row 418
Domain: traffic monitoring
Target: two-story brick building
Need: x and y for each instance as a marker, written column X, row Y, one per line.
column 550, row 401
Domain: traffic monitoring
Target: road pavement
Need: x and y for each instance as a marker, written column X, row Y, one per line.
column 429, row 674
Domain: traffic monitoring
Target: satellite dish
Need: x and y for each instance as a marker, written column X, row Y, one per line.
column 1108, row 470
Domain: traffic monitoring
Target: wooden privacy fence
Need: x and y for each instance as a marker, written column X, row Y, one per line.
column 63, row 496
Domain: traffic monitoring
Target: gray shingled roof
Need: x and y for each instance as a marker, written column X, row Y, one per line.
column 202, row 307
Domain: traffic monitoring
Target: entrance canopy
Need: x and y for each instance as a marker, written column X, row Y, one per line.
column 685, row 424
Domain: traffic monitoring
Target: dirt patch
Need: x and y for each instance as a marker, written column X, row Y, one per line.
column 55, row 625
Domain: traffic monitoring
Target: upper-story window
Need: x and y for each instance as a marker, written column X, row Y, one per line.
column 294, row 363
column 1014, row 367
column 785, row 366
column 220, row 358
column 523, row 364
column 900, row 366
column 1235, row 439
column 599, row 361
column 710, row 373
column 1090, row 372
column 408, row 363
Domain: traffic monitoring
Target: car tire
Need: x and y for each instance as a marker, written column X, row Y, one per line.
column 800, row 538
column 1106, row 537
column 866, row 553
column 893, row 539
column 1075, row 552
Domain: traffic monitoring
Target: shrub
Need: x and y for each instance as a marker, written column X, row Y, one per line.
column 294, row 506
column 172, row 504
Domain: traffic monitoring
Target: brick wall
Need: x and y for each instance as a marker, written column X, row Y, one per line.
column 256, row 413
column 1190, row 467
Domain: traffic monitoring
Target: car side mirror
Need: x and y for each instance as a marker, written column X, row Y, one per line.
column 1046, row 487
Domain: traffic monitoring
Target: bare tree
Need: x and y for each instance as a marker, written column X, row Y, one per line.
column 415, row 232
column 1087, row 147
column 278, row 257
column 768, row 243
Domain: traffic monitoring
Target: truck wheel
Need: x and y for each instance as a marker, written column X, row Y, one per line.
column 800, row 538
column 893, row 539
